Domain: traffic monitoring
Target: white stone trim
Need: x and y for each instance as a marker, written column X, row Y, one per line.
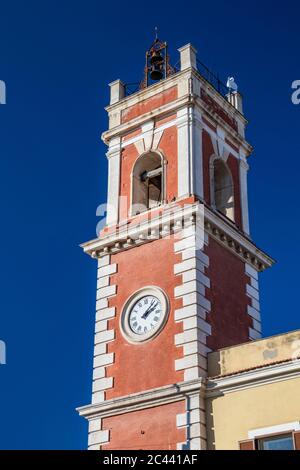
column 244, row 192
column 253, row 313
column 105, row 271
column 252, row 291
column 143, row 400
column 102, row 359
column 101, row 304
column 103, row 335
column 117, row 91
column 189, row 152
column 250, row 271
column 114, row 171
column 102, row 384
column 277, row 429
column 105, row 292
column 141, row 140
column 195, row 306
column 183, row 153
column 98, row 437
column 188, row 57
column 101, row 326
column 100, row 348
column 103, row 282
column 105, row 313
column 194, row 422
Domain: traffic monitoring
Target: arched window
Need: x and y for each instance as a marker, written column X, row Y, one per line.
column 223, row 189
column 147, row 182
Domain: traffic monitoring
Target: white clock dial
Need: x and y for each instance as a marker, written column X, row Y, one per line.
column 145, row 314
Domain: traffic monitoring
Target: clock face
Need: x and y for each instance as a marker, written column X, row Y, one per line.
column 145, row 314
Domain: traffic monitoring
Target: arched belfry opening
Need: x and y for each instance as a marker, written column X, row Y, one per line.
column 147, row 182
column 223, row 194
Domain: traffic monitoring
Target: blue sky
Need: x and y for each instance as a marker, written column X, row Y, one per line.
column 57, row 59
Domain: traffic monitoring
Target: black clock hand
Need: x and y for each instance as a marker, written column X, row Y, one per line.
column 147, row 313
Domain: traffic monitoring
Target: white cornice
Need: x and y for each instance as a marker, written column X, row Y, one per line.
column 254, row 378
column 126, row 127
column 175, row 217
column 144, row 399
column 208, row 388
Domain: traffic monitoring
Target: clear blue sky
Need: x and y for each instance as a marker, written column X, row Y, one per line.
column 57, row 59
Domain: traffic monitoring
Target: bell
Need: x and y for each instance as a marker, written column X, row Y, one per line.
column 156, row 71
column 155, row 57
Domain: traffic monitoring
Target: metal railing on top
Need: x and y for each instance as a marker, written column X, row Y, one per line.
column 212, row 78
column 205, row 72
column 131, row 88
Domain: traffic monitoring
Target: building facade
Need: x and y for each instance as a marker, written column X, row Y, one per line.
column 252, row 395
column 177, row 269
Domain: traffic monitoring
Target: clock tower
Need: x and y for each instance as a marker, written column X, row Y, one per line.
column 177, row 269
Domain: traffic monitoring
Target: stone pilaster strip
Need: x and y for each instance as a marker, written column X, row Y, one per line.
column 252, row 291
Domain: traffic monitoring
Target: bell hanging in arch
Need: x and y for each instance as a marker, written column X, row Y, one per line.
column 156, row 66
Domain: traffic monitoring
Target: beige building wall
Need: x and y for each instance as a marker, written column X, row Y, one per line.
column 232, row 415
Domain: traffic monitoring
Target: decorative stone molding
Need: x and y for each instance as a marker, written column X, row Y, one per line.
column 142, row 400
column 149, row 138
column 173, row 219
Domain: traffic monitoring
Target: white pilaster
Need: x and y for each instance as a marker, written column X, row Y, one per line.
column 197, row 155
column 113, row 191
column 183, row 150
column 189, row 148
column 187, row 57
column 244, row 192
column 117, row 91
